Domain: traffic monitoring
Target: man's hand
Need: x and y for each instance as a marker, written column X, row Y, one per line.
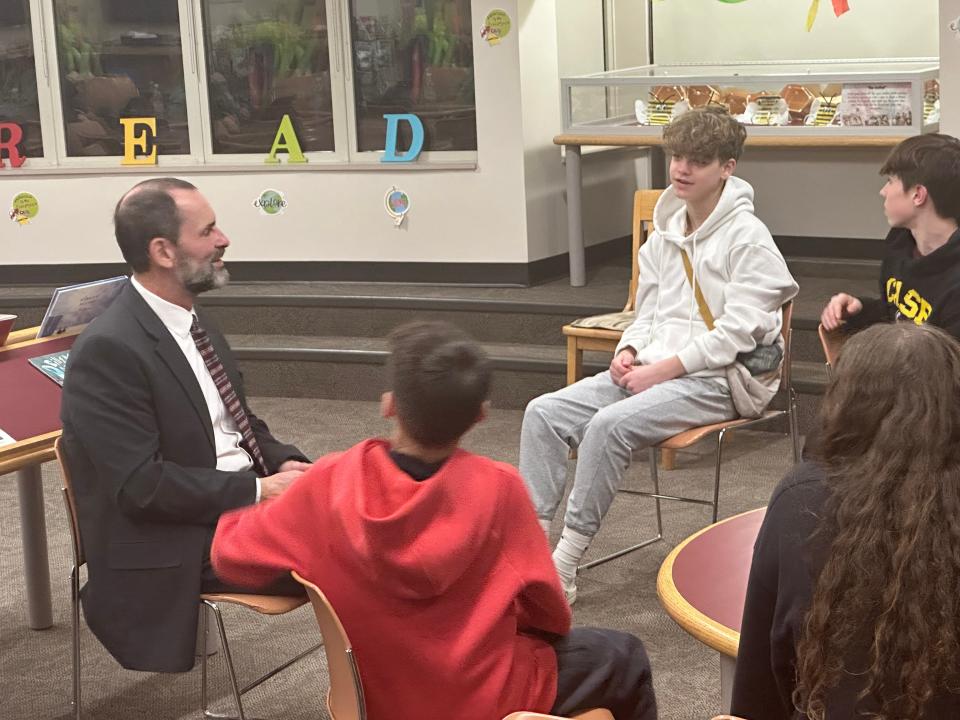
column 621, row 364
column 841, row 306
column 644, row 377
column 294, row 465
column 273, row 485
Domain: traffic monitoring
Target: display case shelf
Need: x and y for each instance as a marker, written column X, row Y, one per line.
column 840, row 99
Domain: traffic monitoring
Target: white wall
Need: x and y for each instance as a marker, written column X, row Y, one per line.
column 949, row 67
column 707, row 30
column 456, row 216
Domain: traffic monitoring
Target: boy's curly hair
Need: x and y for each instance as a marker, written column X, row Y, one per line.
column 705, row 135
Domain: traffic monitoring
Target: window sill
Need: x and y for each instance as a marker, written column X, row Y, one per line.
column 186, row 169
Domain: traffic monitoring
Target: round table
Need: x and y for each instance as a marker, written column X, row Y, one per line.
column 703, row 583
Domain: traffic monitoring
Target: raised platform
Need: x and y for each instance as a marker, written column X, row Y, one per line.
column 327, row 339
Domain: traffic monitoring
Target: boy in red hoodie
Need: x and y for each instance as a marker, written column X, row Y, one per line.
column 435, row 562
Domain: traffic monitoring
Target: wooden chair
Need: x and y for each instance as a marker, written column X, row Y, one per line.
column 832, row 341
column 588, row 715
column 603, row 332
column 345, row 700
column 695, row 435
column 263, row 604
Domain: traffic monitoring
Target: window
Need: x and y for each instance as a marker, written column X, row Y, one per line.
column 220, row 76
column 414, row 56
column 120, row 58
column 18, row 76
column 266, row 59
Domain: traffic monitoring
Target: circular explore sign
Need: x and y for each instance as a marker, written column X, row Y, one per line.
column 270, row 202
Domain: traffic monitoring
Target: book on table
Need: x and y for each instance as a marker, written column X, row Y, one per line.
column 54, row 365
column 74, row 306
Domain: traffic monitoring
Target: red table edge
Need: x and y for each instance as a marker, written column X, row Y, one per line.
column 705, row 629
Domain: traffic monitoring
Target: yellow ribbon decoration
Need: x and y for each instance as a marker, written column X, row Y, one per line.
column 812, row 14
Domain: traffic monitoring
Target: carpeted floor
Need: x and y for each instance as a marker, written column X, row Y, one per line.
column 35, row 666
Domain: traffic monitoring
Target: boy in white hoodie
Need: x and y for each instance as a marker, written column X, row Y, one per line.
column 669, row 372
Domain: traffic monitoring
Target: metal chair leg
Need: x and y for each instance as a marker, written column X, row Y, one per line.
column 230, row 669
column 650, row 541
column 716, row 480
column 794, row 425
column 75, row 621
column 654, row 475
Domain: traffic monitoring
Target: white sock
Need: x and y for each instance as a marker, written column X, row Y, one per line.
column 545, row 526
column 569, row 552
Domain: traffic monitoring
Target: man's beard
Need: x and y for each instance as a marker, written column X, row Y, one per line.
column 201, row 277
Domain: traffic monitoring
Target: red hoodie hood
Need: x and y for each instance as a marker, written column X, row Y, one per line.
column 406, row 530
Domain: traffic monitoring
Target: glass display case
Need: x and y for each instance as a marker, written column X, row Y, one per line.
column 847, row 97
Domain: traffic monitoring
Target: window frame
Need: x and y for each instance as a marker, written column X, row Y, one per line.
column 344, row 156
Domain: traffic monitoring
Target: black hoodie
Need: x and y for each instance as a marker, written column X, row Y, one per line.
column 922, row 288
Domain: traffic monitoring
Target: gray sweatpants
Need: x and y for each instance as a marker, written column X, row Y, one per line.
column 607, row 425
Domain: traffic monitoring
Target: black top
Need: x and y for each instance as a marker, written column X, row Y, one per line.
column 415, row 467
column 779, row 592
column 922, row 288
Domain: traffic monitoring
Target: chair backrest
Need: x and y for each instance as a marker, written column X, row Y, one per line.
column 643, row 203
column 786, row 332
column 831, row 342
column 345, row 699
column 69, row 499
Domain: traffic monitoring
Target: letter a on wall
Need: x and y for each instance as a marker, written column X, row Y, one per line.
column 286, row 140
column 11, row 135
column 393, row 128
column 144, row 142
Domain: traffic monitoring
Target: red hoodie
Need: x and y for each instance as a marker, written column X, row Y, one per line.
column 434, row 581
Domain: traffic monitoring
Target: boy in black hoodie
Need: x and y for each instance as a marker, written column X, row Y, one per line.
column 920, row 274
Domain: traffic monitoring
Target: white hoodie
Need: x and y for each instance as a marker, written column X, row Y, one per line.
column 743, row 277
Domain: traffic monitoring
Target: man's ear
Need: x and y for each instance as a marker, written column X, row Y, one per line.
column 920, row 195
column 484, row 411
column 162, row 253
column 388, row 406
column 726, row 170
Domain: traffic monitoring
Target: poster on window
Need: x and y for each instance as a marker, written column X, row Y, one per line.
column 869, row 104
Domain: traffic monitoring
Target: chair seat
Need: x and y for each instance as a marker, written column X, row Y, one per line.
column 263, row 604
column 695, row 435
column 614, row 322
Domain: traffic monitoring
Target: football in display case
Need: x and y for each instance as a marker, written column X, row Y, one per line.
column 847, row 97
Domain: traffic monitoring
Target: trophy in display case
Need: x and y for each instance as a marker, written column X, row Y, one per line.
column 765, row 108
column 799, row 100
column 664, row 103
column 700, row 96
column 931, row 101
column 823, row 109
column 735, row 100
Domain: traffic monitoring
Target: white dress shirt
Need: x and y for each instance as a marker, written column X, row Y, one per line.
column 230, row 455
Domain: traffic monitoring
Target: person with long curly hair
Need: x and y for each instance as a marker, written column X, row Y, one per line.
column 853, row 602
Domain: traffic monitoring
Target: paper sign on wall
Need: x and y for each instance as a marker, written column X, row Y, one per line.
column 495, row 27
column 397, row 203
column 271, row 202
column 139, row 141
column 24, row 208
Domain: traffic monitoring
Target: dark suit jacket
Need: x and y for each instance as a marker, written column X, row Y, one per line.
column 140, row 448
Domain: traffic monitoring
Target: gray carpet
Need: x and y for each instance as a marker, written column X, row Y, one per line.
column 35, row 666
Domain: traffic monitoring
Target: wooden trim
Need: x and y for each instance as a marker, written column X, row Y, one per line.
column 805, row 141
column 31, row 451
column 30, row 338
column 705, row 629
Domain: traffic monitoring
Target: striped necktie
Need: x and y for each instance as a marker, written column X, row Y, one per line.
column 229, row 396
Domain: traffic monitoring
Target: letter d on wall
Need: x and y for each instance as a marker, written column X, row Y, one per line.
column 393, row 128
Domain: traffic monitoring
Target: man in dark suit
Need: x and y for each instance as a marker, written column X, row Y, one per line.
column 158, row 436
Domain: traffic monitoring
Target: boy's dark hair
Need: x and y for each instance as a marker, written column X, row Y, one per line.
column 439, row 377
column 931, row 160
column 705, row 135
column 147, row 211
